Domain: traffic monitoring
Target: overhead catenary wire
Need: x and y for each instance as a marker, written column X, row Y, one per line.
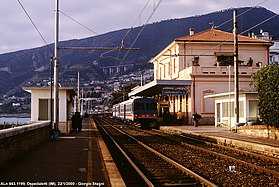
column 84, row 26
column 241, row 14
column 37, row 29
column 262, row 22
column 127, row 33
column 143, row 27
column 203, row 54
column 138, row 18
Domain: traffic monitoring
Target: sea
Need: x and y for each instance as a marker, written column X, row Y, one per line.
column 14, row 120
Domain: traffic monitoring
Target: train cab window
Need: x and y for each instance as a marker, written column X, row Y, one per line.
column 147, row 106
column 137, row 106
column 142, row 106
column 153, row 106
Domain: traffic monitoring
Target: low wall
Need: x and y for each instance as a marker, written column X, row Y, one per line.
column 259, row 131
column 15, row 141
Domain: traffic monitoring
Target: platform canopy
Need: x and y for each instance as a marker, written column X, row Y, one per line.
column 157, row 86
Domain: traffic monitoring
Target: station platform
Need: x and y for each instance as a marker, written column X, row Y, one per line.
column 224, row 136
column 79, row 159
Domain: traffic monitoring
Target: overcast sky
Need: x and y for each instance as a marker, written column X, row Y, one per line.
column 101, row 16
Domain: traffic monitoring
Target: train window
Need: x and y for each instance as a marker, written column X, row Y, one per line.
column 142, row 106
column 129, row 108
column 147, row 106
column 137, row 106
column 153, row 106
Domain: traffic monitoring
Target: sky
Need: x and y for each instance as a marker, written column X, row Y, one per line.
column 98, row 16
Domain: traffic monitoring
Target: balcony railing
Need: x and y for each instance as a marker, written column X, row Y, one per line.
column 213, row 70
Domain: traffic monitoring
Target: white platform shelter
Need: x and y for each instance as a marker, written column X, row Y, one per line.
column 224, row 108
column 41, row 110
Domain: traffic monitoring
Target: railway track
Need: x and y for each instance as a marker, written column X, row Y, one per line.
column 153, row 168
column 212, row 160
column 270, row 164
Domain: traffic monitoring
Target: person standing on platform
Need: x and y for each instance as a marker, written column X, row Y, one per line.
column 196, row 118
column 76, row 122
column 179, row 117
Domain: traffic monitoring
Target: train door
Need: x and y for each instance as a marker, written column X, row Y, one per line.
column 118, row 114
column 124, row 112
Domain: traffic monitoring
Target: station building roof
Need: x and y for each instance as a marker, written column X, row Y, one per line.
column 156, row 86
column 215, row 35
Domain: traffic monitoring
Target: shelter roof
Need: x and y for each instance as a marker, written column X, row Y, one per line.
column 46, row 88
column 155, row 87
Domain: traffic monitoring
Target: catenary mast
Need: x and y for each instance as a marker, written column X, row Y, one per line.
column 56, row 65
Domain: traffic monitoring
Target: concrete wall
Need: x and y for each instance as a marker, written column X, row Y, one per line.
column 259, row 131
column 18, row 140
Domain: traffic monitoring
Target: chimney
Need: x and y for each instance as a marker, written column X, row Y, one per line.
column 191, row 31
column 251, row 34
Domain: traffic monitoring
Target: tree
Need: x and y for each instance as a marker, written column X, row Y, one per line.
column 266, row 82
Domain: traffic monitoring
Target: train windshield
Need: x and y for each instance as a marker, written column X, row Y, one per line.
column 153, row 106
column 137, row 106
column 146, row 105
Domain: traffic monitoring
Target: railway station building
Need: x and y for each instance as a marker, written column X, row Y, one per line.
column 201, row 64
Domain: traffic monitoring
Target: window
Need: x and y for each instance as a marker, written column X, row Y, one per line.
column 225, row 109
column 164, row 70
column 253, row 109
column 241, row 109
column 122, row 108
column 137, row 106
column 128, row 108
column 142, row 106
column 147, row 106
column 44, row 109
column 153, row 106
column 225, row 60
column 174, row 66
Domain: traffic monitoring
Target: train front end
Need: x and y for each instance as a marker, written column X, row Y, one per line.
column 145, row 113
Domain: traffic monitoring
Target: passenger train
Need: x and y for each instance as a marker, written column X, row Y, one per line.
column 141, row 112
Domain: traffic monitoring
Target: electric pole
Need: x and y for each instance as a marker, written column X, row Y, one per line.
column 56, row 65
column 236, row 83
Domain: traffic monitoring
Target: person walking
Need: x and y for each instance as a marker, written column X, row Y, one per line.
column 179, row 117
column 196, row 118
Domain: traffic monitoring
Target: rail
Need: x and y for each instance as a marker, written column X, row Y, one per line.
column 203, row 181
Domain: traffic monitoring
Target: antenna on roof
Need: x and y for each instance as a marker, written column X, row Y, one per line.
column 213, row 24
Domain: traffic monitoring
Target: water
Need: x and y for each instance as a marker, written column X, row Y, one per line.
column 13, row 120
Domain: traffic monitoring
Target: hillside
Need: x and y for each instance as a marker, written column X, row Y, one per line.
column 28, row 67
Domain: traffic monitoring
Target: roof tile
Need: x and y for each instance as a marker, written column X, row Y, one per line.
column 214, row 35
